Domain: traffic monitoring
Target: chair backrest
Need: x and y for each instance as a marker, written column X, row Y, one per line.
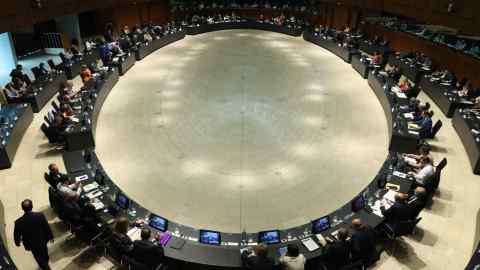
column 405, row 227
column 51, row 64
column 438, row 173
column 47, row 120
column 442, row 164
column 133, row 264
column 436, row 128
column 353, row 266
column 55, row 106
column 36, row 72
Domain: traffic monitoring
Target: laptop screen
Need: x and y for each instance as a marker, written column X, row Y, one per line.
column 321, row 224
column 209, row 237
column 358, row 203
column 158, row 222
column 269, row 237
column 122, row 201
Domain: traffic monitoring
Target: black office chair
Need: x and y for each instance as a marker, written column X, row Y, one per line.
column 436, row 128
column 52, row 65
column 132, row 264
column 403, row 228
column 354, row 266
column 48, row 121
column 55, row 106
column 36, row 72
column 438, row 173
column 46, row 131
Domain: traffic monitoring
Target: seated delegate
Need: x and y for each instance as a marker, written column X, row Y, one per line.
column 424, row 174
column 18, row 73
column 55, row 176
column 413, row 160
column 363, row 243
column 424, row 125
column 69, row 189
column 119, row 238
column 398, row 212
column 417, row 201
column 337, row 253
column 293, row 259
column 146, row 252
column 258, row 259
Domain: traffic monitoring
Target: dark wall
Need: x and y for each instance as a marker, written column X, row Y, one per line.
column 463, row 65
column 20, row 13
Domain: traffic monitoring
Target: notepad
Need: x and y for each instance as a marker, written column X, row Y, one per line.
column 392, row 187
column 400, row 174
column 81, row 178
column 134, row 233
column 98, row 205
column 90, row 187
column 310, row 244
column 390, row 195
column 94, row 194
column 413, row 126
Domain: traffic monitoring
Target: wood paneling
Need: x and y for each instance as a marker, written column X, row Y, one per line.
column 462, row 64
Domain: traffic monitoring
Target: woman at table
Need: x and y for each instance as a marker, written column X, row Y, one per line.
column 119, row 239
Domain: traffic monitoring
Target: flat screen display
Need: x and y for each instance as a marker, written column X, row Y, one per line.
column 321, row 224
column 358, row 203
column 209, row 237
column 122, row 201
column 158, row 222
column 269, row 237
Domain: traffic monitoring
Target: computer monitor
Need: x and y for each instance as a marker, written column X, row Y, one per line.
column 122, row 201
column 209, row 237
column 358, row 203
column 158, row 222
column 321, row 224
column 269, row 237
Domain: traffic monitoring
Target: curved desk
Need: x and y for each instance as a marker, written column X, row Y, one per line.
column 39, row 98
column 244, row 24
column 227, row 255
column 15, row 119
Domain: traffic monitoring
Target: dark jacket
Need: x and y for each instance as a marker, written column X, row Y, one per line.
column 122, row 243
column 337, row 254
column 258, row 263
column 363, row 244
column 416, row 206
column 32, row 230
column 147, row 253
column 397, row 213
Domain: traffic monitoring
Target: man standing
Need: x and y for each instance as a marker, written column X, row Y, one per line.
column 33, row 230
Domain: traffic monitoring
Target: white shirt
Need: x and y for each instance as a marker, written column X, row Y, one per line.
column 293, row 263
column 68, row 191
column 425, row 173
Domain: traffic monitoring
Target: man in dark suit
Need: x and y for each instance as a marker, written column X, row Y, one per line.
column 417, row 201
column 146, row 252
column 54, row 175
column 33, row 231
column 398, row 212
column 258, row 260
column 337, row 253
column 363, row 242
